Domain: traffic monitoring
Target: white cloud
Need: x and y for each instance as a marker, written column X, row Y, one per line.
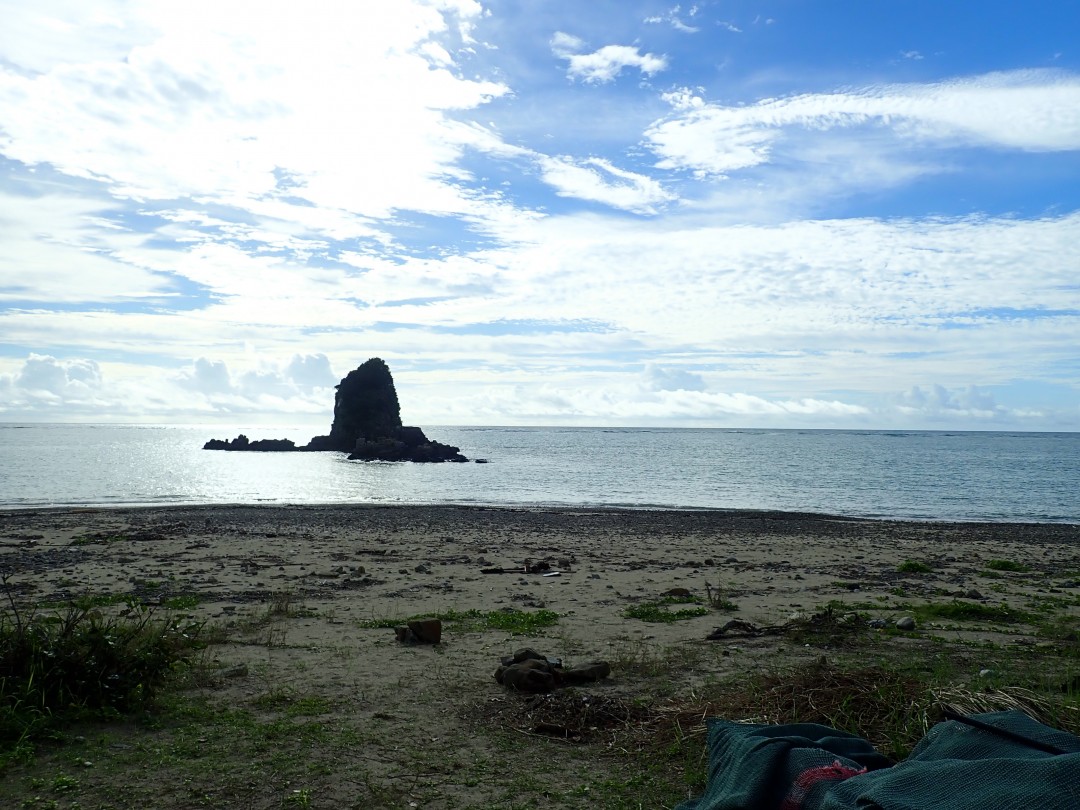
column 672, row 17
column 563, row 44
column 61, row 248
column 207, row 377
column 935, row 402
column 589, row 180
column 661, row 378
column 603, row 65
column 352, row 102
column 1029, row 110
column 42, row 373
column 683, row 99
column 614, row 402
column 309, row 371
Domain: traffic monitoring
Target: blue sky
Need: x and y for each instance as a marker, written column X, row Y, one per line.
column 787, row 214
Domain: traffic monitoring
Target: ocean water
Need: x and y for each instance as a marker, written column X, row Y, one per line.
column 898, row 474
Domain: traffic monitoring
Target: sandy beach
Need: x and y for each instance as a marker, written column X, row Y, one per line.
column 334, row 570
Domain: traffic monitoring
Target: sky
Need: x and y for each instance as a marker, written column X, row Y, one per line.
column 843, row 214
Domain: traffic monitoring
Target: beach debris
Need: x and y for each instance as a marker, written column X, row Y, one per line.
column 827, row 626
column 530, row 671
column 420, row 631
column 906, row 623
column 544, row 567
column 678, row 592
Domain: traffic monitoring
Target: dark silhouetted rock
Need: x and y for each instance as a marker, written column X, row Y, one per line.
column 242, row 442
column 406, row 444
column 367, row 425
column 365, row 407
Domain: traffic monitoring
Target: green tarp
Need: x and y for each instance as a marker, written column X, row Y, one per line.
column 996, row 760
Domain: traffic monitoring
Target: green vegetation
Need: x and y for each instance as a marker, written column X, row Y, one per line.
column 658, row 611
column 63, row 666
column 183, row 602
column 718, row 599
column 516, row 622
column 1008, row 565
column 914, row 567
column 970, row 612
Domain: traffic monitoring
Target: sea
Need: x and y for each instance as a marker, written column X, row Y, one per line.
column 916, row 475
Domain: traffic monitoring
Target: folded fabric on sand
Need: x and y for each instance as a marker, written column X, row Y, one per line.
column 1000, row 759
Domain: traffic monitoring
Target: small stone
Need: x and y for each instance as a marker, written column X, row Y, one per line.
column 985, row 673
column 907, row 623
column 972, row 594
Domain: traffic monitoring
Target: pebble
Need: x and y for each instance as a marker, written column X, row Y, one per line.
column 905, row 623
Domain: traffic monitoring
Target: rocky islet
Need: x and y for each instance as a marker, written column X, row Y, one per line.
column 367, row 425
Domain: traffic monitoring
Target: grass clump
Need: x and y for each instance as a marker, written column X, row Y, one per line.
column 718, row 599
column 913, row 567
column 659, row 610
column 971, row 612
column 76, row 663
column 1008, row 565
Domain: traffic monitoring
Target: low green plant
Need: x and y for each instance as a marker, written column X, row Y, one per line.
column 913, row 567
column 659, row 611
column 718, row 599
column 971, row 611
column 69, row 664
column 182, row 602
column 1008, row 565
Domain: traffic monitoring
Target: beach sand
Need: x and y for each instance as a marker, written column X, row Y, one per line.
column 331, row 569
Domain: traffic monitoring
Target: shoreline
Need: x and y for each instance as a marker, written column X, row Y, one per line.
column 213, row 551
column 19, row 509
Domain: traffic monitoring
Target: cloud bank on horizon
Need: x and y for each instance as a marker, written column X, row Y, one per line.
column 839, row 214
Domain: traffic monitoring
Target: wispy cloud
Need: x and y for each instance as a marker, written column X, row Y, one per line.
column 598, row 180
column 1028, row 110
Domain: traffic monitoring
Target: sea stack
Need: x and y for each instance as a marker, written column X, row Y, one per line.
column 367, row 424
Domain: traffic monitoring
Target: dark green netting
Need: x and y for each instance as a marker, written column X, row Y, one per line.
column 1006, row 763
